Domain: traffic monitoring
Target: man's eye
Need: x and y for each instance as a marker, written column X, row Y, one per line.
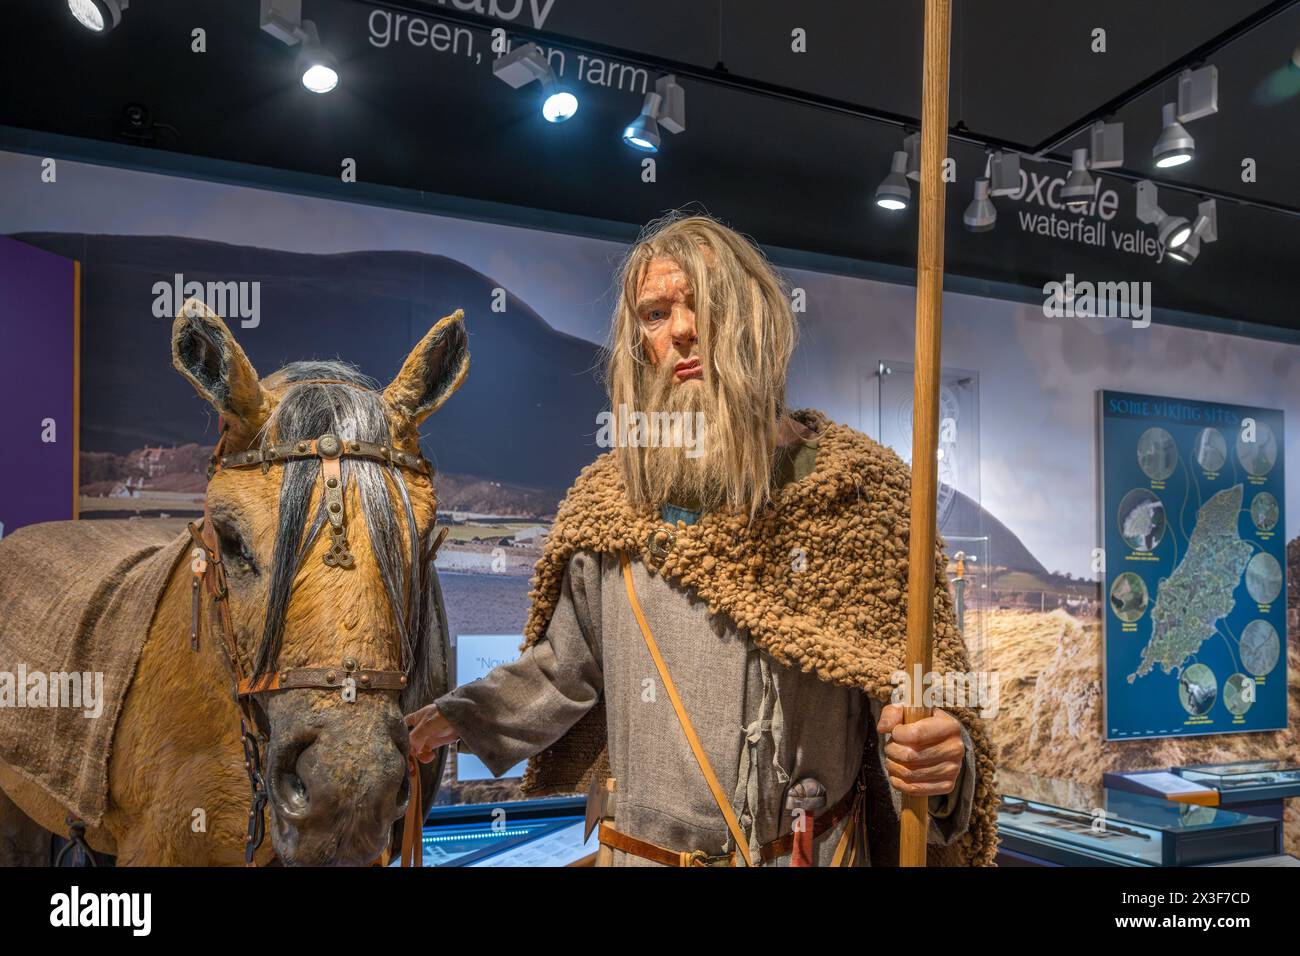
column 656, row 315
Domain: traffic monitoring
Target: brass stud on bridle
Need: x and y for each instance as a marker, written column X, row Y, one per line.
column 328, row 446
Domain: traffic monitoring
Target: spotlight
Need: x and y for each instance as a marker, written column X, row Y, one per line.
column 664, row 107
column 559, row 105
column 1206, row 229
column 643, row 132
column 1198, row 95
column 526, row 63
column 981, row 214
column 1079, row 187
column 1187, row 252
column 316, row 65
column 98, row 16
column 894, row 193
column 1172, row 231
column 1175, row 145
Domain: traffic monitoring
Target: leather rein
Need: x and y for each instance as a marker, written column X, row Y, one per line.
column 209, row 573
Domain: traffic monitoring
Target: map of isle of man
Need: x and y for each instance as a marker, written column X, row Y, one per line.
column 1191, row 601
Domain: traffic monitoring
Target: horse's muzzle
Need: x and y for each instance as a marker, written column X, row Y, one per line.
column 336, row 776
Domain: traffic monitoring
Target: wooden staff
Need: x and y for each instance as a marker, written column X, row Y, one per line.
column 914, row 823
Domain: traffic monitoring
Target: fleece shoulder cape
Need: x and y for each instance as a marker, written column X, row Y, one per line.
column 819, row 579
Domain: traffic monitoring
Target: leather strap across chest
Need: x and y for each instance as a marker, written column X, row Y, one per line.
column 852, row 800
column 710, row 778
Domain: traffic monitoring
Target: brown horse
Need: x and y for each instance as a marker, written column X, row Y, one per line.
column 335, row 767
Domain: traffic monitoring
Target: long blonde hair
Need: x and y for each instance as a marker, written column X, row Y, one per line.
column 746, row 335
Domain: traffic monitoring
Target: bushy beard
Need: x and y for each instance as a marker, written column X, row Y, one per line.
column 672, row 475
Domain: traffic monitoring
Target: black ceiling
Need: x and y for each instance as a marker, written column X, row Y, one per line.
column 789, row 173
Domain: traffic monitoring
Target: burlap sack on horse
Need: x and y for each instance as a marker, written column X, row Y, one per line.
column 74, row 622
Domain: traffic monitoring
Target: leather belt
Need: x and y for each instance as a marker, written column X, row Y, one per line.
column 658, row 854
column 769, row 851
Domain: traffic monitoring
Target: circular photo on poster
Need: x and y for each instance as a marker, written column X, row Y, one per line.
column 1197, row 689
column 1238, row 694
column 1259, row 456
column 1260, row 648
column 1141, row 519
column 1210, row 449
column 1264, row 578
column 1263, row 511
column 1128, row 597
column 1157, row 454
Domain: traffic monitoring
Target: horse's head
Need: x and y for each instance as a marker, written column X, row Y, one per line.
column 336, row 764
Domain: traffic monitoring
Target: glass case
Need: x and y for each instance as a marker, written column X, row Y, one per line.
column 545, row 832
column 1065, row 823
column 1250, row 785
column 1243, row 773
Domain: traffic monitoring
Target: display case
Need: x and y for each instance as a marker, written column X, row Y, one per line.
column 1246, row 780
column 547, row 832
column 1257, row 787
column 1045, row 821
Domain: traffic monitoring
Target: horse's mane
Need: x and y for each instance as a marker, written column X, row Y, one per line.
column 353, row 411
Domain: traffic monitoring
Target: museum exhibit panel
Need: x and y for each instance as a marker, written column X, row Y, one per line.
column 464, row 434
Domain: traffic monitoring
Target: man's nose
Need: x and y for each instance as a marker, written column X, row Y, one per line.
column 683, row 326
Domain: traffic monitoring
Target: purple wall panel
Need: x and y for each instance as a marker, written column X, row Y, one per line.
column 37, row 382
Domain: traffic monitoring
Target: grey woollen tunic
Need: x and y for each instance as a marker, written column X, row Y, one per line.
column 763, row 725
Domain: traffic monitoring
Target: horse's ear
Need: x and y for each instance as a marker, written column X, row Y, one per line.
column 204, row 351
column 432, row 372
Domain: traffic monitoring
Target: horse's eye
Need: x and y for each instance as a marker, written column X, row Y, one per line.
column 236, row 551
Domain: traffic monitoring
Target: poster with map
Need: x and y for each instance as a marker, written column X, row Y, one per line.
column 1192, row 514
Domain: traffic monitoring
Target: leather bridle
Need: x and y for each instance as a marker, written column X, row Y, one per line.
column 348, row 677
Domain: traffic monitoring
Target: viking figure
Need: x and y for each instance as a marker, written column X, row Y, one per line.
column 718, row 621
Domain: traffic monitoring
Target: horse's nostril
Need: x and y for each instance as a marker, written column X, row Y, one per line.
column 294, row 791
column 290, row 792
column 288, row 786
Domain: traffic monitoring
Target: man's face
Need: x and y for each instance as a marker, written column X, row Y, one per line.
column 665, row 308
